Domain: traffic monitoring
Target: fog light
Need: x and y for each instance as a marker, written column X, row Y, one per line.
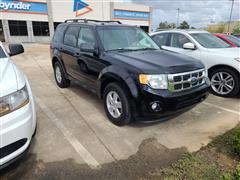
column 155, row 106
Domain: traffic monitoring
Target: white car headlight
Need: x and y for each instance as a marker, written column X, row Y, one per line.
column 13, row 101
column 158, row 81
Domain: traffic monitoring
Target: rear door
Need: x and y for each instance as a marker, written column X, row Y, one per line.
column 69, row 49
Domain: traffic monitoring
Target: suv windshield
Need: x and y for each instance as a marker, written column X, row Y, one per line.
column 234, row 40
column 2, row 53
column 209, row 41
column 125, row 38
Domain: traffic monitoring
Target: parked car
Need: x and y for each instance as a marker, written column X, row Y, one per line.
column 237, row 35
column 231, row 40
column 17, row 110
column 222, row 61
column 135, row 79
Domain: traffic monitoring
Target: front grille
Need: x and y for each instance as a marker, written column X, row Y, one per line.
column 9, row 149
column 184, row 81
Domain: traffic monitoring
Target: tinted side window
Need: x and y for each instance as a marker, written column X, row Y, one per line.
column 86, row 36
column 58, row 36
column 2, row 53
column 178, row 40
column 71, row 36
column 161, row 39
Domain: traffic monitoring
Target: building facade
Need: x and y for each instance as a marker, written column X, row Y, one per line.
column 36, row 20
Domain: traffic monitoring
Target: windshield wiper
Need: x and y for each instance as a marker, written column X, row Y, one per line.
column 125, row 49
column 121, row 49
column 144, row 49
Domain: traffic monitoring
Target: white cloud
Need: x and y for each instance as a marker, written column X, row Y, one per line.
column 198, row 13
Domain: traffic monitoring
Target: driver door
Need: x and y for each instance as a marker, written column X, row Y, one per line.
column 176, row 42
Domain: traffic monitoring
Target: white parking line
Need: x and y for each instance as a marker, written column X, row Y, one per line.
column 79, row 148
column 222, row 108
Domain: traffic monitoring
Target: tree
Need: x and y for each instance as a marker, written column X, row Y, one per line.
column 184, row 25
column 172, row 25
column 166, row 25
column 236, row 30
column 163, row 25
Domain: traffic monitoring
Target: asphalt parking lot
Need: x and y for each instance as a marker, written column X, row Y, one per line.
column 75, row 140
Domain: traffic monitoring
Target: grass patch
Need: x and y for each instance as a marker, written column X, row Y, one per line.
column 219, row 160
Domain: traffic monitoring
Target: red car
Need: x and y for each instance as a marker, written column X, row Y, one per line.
column 231, row 40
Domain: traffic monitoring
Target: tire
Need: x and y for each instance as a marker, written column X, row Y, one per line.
column 215, row 77
column 59, row 75
column 123, row 97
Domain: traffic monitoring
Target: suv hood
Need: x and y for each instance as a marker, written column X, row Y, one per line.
column 157, row 61
column 11, row 79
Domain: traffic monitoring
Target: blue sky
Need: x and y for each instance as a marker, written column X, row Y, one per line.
column 198, row 13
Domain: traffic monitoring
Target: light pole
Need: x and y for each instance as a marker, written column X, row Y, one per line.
column 178, row 11
column 230, row 18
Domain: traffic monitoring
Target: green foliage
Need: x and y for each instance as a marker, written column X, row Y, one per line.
column 184, row 25
column 166, row 25
column 234, row 141
column 198, row 166
column 237, row 172
column 191, row 167
column 236, row 30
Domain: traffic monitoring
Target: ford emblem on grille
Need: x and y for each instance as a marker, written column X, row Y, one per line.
column 192, row 80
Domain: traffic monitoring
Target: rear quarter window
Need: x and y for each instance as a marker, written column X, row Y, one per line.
column 59, row 34
column 71, row 36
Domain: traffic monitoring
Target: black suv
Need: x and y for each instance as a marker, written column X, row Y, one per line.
column 126, row 68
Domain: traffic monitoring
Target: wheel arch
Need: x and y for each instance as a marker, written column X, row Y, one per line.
column 113, row 75
column 56, row 59
column 210, row 70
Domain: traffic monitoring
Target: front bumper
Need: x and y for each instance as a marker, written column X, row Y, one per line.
column 16, row 130
column 170, row 103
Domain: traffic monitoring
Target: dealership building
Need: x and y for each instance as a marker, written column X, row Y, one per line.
column 36, row 20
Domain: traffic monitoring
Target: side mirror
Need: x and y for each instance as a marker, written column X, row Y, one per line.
column 88, row 47
column 189, row 46
column 15, row 49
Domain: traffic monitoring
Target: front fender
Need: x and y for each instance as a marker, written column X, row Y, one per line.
column 120, row 75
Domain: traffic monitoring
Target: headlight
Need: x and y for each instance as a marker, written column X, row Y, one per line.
column 13, row 101
column 237, row 59
column 159, row 81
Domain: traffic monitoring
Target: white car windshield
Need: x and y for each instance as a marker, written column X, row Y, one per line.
column 209, row 41
column 125, row 38
column 2, row 53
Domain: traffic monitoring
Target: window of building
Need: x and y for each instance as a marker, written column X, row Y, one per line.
column 71, row 36
column 18, row 28
column 40, row 28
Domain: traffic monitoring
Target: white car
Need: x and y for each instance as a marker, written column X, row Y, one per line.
column 17, row 110
column 221, row 60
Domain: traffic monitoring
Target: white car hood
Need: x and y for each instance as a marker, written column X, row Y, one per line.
column 11, row 78
column 235, row 52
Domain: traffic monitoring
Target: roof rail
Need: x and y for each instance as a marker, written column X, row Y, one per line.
column 90, row 20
